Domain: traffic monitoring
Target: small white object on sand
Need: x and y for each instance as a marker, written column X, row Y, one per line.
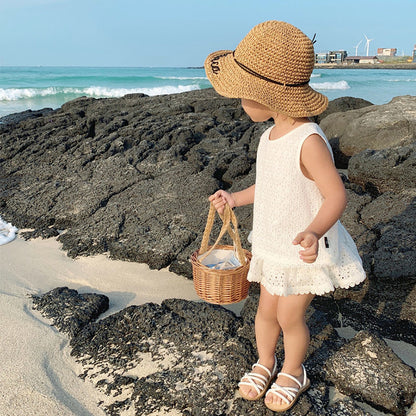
column 7, row 232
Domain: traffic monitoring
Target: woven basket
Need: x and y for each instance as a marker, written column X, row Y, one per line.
column 221, row 287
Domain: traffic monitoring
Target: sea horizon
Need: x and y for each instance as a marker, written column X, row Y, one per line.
column 34, row 87
column 99, row 66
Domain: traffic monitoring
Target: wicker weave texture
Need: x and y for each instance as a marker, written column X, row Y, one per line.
column 221, row 287
column 267, row 66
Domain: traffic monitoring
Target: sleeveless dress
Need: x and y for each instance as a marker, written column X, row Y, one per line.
column 285, row 203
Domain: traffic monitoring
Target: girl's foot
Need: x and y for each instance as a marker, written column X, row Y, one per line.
column 255, row 384
column 286, row 390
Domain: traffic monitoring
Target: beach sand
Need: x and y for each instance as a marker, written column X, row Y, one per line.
column 38, row 375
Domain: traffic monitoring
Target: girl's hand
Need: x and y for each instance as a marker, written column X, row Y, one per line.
column 220, row 198
column 309, row 241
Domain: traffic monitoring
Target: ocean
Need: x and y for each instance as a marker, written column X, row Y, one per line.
column 23, row 88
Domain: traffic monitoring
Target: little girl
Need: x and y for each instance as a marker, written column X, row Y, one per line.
column 298, row 199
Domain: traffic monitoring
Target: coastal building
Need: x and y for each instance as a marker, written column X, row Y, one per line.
column 321, row 58
column 386, row 51
column 351, row 60
column 414, row 54
column 331, row 57
column 337, row 57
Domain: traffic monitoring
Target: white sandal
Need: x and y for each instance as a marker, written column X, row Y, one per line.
column 289, row 395
column 259, row 382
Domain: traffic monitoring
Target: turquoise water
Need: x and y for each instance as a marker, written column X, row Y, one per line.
column 23, row 88
column 376, row 85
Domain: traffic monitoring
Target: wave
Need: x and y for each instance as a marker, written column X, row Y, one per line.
column 105, row 92
column 339, row 85
column 142, row 78
column 316, row 75
column 402, row 80
column 182, row 78
column 15, row 94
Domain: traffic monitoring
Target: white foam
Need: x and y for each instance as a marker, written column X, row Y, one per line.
column 120, row 92
column 339, row 85
column 7, row 232
column 402, row 80
column 316, row 75
column 182, row 78
column 15, row 94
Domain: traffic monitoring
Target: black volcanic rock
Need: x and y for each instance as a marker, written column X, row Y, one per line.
column 378, row 171
column 342, row 104
column 366, row 368
column 177, row 355
column 135, row 172
column 390, row 177
column 373, row 127
column 16, row 118
column 188, row 357
column 69, row 310
column 346, row 407
column 131, row 177
column 169, row 356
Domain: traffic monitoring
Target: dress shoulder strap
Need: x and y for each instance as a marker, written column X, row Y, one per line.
column 313, row 128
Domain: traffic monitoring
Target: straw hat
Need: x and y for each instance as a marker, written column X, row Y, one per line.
column 272, row 65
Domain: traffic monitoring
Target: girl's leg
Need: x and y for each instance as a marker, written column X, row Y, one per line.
column 291, row 316
column 267, row 333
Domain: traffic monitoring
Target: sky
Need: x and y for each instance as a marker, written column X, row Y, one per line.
column 180, row 33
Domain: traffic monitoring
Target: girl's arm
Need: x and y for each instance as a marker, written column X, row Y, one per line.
column 235, row 199
column 317, row 164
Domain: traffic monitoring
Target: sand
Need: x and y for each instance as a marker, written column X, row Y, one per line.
column 37, row 374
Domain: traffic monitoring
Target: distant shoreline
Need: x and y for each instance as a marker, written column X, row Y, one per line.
column 367, row 66
column 410, row 65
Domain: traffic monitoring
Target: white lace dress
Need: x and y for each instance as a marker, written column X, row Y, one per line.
column 285, row 203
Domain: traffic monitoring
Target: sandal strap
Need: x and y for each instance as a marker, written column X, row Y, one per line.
column 295, row 379
column 256, row 380
column 258, row 376
column 292, row 378
column 263, row 368
column 285, row 393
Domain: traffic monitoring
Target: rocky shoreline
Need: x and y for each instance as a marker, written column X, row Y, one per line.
column 131, row 176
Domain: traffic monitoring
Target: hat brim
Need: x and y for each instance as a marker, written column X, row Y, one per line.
column 231, row 81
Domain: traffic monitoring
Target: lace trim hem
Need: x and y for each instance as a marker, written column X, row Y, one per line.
column 297, row 280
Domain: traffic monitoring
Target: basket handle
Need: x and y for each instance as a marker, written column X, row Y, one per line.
column 227, row 217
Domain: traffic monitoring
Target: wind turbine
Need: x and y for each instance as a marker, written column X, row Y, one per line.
column 356, row 47
column 368, row 43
